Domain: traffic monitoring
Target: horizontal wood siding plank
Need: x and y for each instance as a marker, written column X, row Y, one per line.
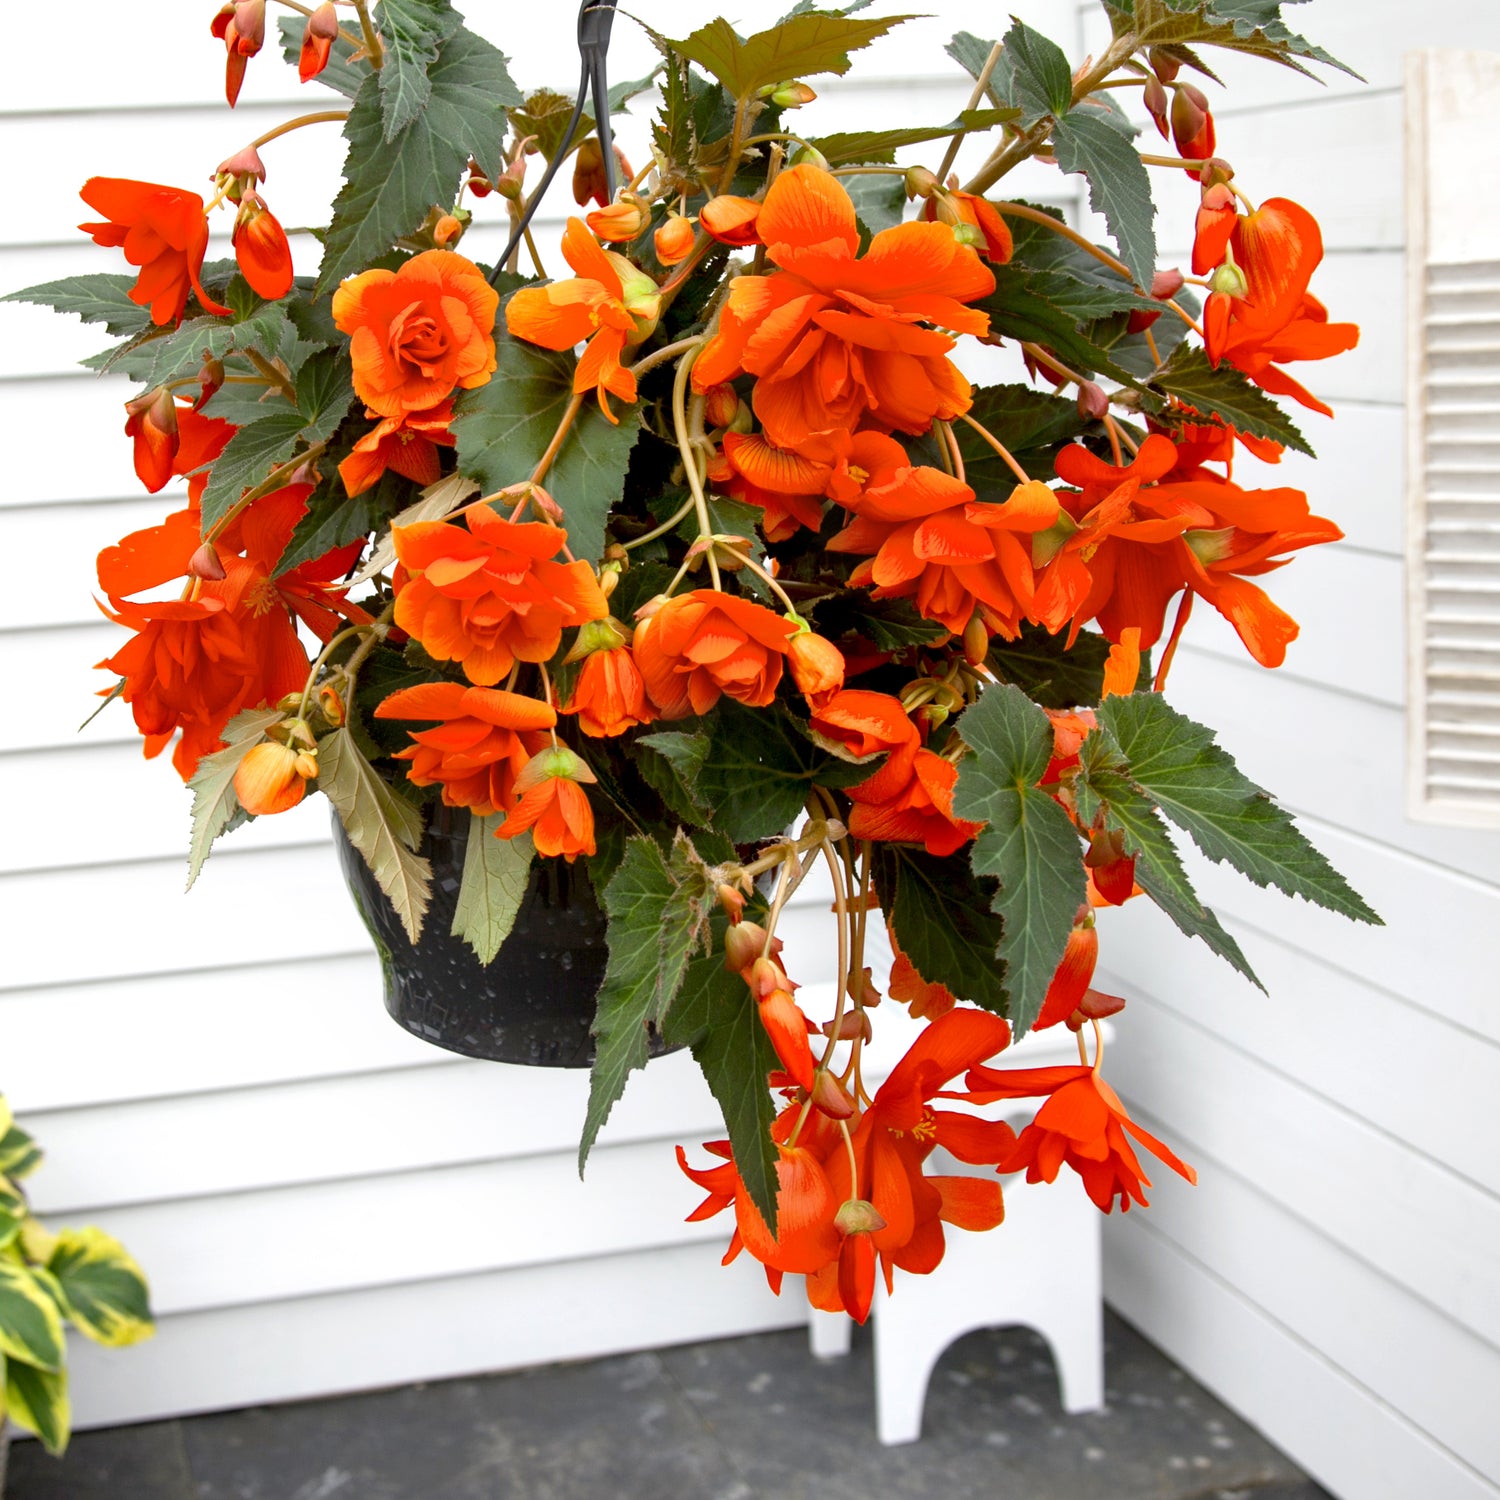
column 1427, row 1229
column 1385, row 1338
column 1346, row 1437
column 433, row 1330
column 1365, row 1050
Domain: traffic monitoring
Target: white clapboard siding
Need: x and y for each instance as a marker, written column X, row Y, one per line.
column 1453, row 460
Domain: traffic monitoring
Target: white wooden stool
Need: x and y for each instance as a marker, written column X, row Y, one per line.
column 1040, row 1268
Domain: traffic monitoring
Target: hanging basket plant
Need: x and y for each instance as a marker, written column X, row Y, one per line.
column 698, row 563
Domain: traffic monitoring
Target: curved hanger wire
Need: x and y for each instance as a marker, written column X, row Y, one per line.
column 596, row 19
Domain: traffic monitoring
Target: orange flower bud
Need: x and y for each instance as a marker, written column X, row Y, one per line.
column 721, row 405
column 808, row 156
column 976, row 641
column 731, row 220
column 261, row 248
column 674, row 240
column 853, row 1023
column 588, row 172
column 241, row 26
column 205, row 563
column 786, row 1026
column 732, row 903
column 1154, row 97
column 267, row 780
column 620, row 221
column 1192, row 123
column 830, row 1097
column 151, row 420
column 1074, row 972
column 447, row 231
column 317, row 41
column 817, row 665
column 920, row 183
column 792, row 95
column 331, row 704
column 766, row 975
column 210, row 378
column 307, row 765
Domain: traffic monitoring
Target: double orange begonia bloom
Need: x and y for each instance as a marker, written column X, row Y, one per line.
column 833, row 337
column 609, row 695
column 417, row 333
column 164, row 231
column 553, row 806
column 701, row 646
column 407, row 443
column 490, row 595
column 483, row 741
column 920, row 811
column 611, row 303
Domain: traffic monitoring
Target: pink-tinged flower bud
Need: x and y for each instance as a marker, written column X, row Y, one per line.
column 245, row 163
column 721, row 405
column 1154, row 97
column 743, row 944
column 479, row 184
column 920, row 183
column 318, row 37
column 1163, row 64
column 151, row 420
column 1092, row 402
column 267, row 779
column 210, row 379
column 732, row 904
column 853, row 1023
column 1166, row 284
column 976, row 641
column 792, row 95
column 205, row 563
column 1192, row 123
column 831, row 1098
column 674, row 240
column 858, row 1217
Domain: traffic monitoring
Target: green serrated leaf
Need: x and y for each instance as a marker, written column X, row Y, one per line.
column 1119, row 186
column 390, row 186
column 334, row 518
column 412, row 32
column 505, row 426
column 942, row 923
column 716, row 1015
column 249, row 456
column 341, row 75
column 103, row 1290
column 671, row 767
column 881, row 145
column 758, row 769
column 97, row 298
column 1030, row 846
column 1225, row 393
column 1253, row 27
column 385, row 829
column 1102, row 786
column 879, row 201
column 493, row 885
column 325, row 392
column 212, row 784
column 971, row 53
column 30, row 1327
column 1041, row 79
column 656, row 915
column 801, row 47
column 1050, row 672
column 1177, row 764
column 38, row 1401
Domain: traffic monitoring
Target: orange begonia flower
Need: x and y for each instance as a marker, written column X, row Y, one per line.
column 609, row 696
column 674, row 240
column 704, row 644
column 1082, row 1124
column 1275, row 249
column 621, row 221
column 611, row 303
column 241, row 26
column 151, row 420
column 925, row 1000
column 490, row 596
column 833, row 335
column 955, row 207
column 408, row 444
column 919, row 812
column 553, row 805
column 416, row 333
column 164, row 231
column 787, row 486
column 868, row 724
column 484, row 740
column 731, row 220
column 261, row 248
column 817, row 666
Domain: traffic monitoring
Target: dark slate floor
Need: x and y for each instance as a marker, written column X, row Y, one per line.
column 736, row 1420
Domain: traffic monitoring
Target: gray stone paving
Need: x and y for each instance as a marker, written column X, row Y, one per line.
column 744, row 1419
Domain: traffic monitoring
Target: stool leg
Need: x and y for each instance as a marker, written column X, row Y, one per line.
column 828, row 1334
column 904, row 1362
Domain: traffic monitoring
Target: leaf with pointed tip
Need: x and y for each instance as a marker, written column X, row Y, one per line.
column 492, row 887
column 971, row 53
column 1225, row 393
column 1254, row 27
column 412, row 32
column 881, row 145
column 97, row 298
column 103, row 1289
column 1041, row 82
column 38, row 1401
column 1177, row 764
column 1119, row 186
column 215, row 805
column 385, row 828
column 433, row 504
column 30, row 1327
column 248, row 458
column 1030, row 846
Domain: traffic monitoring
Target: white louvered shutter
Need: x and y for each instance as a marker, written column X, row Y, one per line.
column 1453, row 446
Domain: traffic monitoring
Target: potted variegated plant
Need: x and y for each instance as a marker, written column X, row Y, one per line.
column 634, row 588
column 49, row 1282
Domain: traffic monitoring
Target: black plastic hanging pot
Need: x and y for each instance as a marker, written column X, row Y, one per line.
column 534, row 1005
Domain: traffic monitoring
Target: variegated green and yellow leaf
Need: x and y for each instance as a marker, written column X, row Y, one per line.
column 104, row 1291
column 31, row 1329
column 38, row 1401
column 19, row 1154
column 13, row 1212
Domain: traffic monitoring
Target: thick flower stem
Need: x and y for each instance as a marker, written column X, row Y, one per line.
column 372, row 37
column 320, row 117
column 1005, row 454
column 1183, row 611
column 690, row 461
column 554, row 447
column 980, row 85
column 275, row 480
